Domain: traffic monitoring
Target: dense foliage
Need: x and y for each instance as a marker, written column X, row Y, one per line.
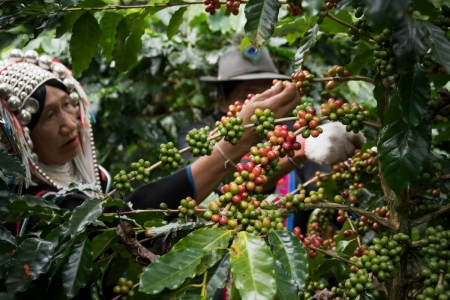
column 143, row 60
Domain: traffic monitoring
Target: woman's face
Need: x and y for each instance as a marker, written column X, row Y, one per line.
column 55, row 136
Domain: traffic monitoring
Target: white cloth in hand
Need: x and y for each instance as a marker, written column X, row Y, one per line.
column 333, row 145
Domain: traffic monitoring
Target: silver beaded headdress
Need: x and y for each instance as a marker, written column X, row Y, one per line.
column 20, row 76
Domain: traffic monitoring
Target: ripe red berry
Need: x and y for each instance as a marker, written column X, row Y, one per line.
column 215, row 218
column 348, row 233
column 340, row 219
column 240, row 167
column 312, row 254
column 307, row 241
column 259, row 180
column 317, row 242
column 223, row 220
column 249, row 166
column 345, row 194
column 297, row 231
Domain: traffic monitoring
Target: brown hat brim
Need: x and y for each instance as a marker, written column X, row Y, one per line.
column 250, row 76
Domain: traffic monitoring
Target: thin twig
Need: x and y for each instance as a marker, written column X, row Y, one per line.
column 361, row 212
column 344, row 78
column 354, row 231
column 331, row 254
column 418, row 292
column 347, row 25
column 140, row 211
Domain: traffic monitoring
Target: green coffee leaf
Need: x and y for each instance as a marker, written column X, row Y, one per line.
column 262, row 16
column 77, row 267
column 170, row 270
column 378, row 94
column 108, row 27
column 129, row 33
column 31, row 259
column 381, row 14
column 286, row 287
column 67, row 23
column 10, row 165
column 6, row 236
column 217, row 276
column 409, row 45
column 252, row 267
column 414, row 94
column 84, row 42
column 103, row 241
column 84, row 215
column 175, row 22
column 308, row 41
column 439, row 44
column 206, row 239
column 403, row 151
column 288, row 249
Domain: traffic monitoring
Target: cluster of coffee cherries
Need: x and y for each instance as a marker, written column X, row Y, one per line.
column 266, row 157
column 212, row 6
column 170, row 157
column 358, row 282
column 382, row 57
column 231, row 129
column 197, row 139
column 232, row 7
column 354, row 115
column 338, row 291
column 310, row 290
column 443, row 20
column 438, row 105
column 320, row 220
column 187, row 208
column 94, row 292
column 352, row 171
column 234, row 109
column 436, row 251
column 361, row 24
column 296, row 200
column 306, row 115
column 124, row 288
column 264, row 121
column 249, row 178
column 138, row 171
column 333, row 72
column 383, row 256
column 294, row 7
column 287, row 140
column 247, row 212
column 303, row 82
column 423, row 206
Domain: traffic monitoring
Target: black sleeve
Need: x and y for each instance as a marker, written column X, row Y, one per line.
column 170, row 190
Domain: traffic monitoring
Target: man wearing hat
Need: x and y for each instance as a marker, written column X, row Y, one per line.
column 241, row 73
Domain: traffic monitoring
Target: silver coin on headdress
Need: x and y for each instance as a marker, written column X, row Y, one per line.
column 31, row 56
column 34, row 157
column 45, row 62
column 16, row 55
column 14, row 103
column 5, row 90
column 25, row 116
column 74, row 98
column 70, row 85
column 59, row 70
column 32, row 105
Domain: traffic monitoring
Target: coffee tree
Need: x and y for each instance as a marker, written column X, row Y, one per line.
column 391, row 197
